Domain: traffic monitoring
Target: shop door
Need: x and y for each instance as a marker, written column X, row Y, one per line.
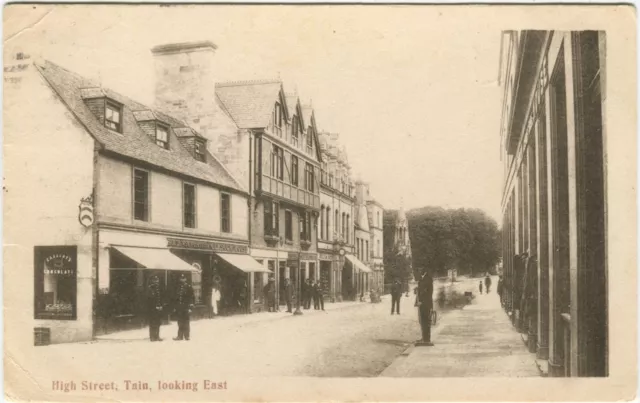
column 325, row 278
column 281, row 276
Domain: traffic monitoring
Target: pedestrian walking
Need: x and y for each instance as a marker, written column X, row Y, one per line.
column 288, row 293
column 480, row 286
column 154, row 308
column 396, row 295
column 184, row 302
column 487, row 283
column 424, row 301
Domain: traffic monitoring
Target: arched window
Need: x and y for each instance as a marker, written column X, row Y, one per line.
column 347, row 236
column 327, row 233
column 336, row 222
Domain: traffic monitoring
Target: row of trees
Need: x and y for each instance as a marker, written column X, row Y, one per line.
column 464, row 239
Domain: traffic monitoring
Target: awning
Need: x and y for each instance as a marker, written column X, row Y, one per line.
column 157, row 259
column 243, row 262
column 358, row 264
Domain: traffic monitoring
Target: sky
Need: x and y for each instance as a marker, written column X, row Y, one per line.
column 412, row 90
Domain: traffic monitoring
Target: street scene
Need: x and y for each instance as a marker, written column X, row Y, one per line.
column 194, row 196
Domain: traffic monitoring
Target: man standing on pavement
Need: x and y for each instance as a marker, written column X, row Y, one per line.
column 425, row 306
column 270, row 295
column 318, row 297
column 288, row 293
column 154, row 308
column 396, row 295
column 184, row 303
column 306, row 294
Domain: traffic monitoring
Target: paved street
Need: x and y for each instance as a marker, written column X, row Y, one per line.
column 477, row 341
column 349, row 339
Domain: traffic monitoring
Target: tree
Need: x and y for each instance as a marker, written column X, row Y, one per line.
column 464, row 239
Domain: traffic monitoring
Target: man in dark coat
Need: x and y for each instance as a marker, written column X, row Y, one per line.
column 154, row 308
column 318, row 298
column 487, row 283
column 425, row 306
column 183, row 304
column 396, row 295
column 288, row 294
column 270, row 295
column 306, row 293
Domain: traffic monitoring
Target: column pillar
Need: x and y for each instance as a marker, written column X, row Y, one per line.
column 542, row 222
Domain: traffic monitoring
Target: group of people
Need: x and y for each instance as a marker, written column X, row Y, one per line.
column 311, row 291
column 183, row 303
column 487, row 284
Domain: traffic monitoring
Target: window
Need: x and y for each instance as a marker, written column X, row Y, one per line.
column 326, row 234
column 225, row 212
column 196, row 284
column 288, row 226
column 278, row 115
column 199, row 151
column 322, row 222
column 336, row 222
column 294, row 170
column 347, row 229
column 310, row 137
column 162, row 136
column 271, row 218
column 305, row 226
column 189, row 205
column 113, row 116
column 55, row 282
column 366, row 250
column 379, row 251
column 295, row 130
column 140, row 195
column 309, row 177
column 277, row 165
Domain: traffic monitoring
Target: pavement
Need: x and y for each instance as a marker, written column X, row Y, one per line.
column 476, row 341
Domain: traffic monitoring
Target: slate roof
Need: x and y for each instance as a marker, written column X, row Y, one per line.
column 133, row 142
column 250, row 103
column 292, row 102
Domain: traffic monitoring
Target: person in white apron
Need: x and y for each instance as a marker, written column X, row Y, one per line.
column 215, row 299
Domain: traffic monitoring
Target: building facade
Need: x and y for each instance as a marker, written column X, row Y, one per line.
column 397, row 247
column 373, row 249
column 555, row 196
column 143, row 197
column 267, row 142
column 336, row 236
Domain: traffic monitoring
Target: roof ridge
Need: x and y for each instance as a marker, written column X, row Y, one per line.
column 249, row 82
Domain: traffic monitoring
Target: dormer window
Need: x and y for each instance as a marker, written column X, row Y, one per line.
column 162, row 136
column 113, row 116
column 199, row 151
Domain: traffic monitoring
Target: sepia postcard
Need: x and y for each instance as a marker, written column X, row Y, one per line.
column 319, row 202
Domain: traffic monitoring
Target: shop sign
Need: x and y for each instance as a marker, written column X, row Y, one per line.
column 85, row 215
column 302, row 256
column 325, row 256
column 218, row 247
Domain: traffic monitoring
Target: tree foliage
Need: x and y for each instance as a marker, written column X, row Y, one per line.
column 464, row 239
column 397, row 266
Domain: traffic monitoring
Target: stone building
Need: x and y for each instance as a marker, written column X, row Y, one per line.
column 266, row 141
column 397, row 247
column 374, row 255
column 336, row 236
column 555, row 196
column 143, row 196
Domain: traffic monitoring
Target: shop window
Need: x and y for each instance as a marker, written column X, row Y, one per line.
column 140, row 195
column 225, row 212
column 189, row 205
column 55, row 282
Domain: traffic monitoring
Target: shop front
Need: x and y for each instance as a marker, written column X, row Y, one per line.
column 127, row 260
column 356, row 275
